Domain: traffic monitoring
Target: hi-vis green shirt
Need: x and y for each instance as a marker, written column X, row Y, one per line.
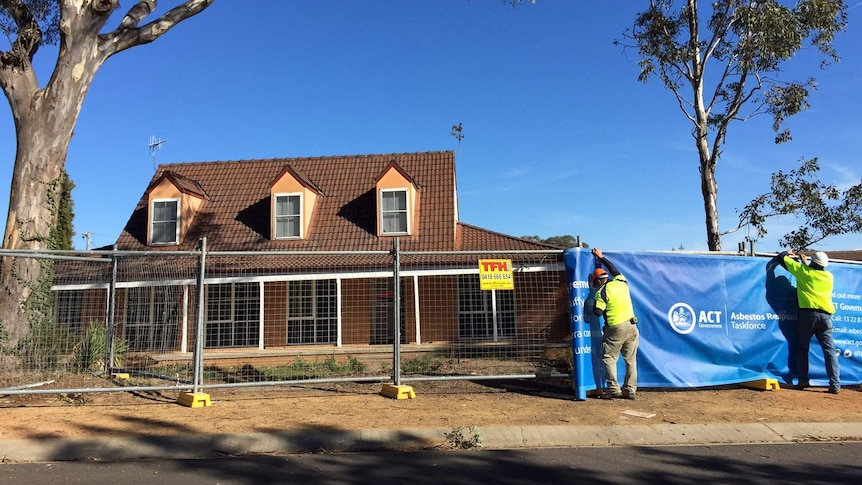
column 813, row 286
column 615, row 301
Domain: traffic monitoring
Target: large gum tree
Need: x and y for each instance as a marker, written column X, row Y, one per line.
column 45, row 118
column 725, row 64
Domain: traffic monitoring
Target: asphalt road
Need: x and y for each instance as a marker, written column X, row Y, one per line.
column 811, row 463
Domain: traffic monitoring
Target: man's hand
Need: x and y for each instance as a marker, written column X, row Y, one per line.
column 597, row 252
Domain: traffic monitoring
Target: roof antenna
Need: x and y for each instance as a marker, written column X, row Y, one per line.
column 458, row 134
column 155, row 144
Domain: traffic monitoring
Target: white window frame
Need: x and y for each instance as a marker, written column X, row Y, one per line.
column 305, row 306
column 224, row 299
column 276, row 216
column 68, row 307
column 405, row 211
column 153, row 222
column 145, row 326
column 491, row 314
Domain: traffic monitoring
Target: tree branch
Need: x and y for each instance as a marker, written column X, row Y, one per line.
column 126, row 37
column 137, row 13
column 29, row 37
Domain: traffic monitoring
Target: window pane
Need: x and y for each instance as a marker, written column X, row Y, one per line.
column 287, row 216
column 165, row 211
column 164, row 232
column 311, row 312
column 287, row 205
column 394, row 222
column 393, row 201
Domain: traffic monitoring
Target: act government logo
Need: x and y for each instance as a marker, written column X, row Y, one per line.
column 681, row 318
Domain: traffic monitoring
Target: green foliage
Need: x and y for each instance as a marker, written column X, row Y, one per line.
column 39, row 308
column 729, row 65
column 424, row 364
column 303, row 369
column 63, row 231
column 566, row 241
column 824, row 209
column 461, row 438
column 90, row 352
column 31, row 25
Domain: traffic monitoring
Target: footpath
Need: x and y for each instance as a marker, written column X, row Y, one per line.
column 478, row 438
column 444, row 416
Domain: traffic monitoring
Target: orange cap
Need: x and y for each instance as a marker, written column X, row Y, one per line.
column 599, row 273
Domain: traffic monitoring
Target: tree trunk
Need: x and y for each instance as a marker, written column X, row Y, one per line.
column 44, row 124
column 709, row 191
column 33, row 205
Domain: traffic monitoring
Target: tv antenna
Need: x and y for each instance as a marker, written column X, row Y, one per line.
column 155, row 144
column 458, row 134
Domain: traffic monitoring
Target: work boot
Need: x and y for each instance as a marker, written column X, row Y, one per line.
column 608, row 394
column 834, row 390
column 803, row 385
column 628, row 394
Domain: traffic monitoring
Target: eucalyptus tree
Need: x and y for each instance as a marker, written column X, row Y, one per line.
column 45, row 116
column 728, row 63
column 824, row 210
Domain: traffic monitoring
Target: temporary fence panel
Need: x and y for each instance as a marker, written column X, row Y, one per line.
column 457, row 330
column 129, row 320
column 711, row 319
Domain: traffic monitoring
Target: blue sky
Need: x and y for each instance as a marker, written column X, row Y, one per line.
column 559, row 136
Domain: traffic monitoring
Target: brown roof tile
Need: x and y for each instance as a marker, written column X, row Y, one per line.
column 237, row 217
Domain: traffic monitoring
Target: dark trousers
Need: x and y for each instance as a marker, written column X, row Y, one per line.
column 817, row 324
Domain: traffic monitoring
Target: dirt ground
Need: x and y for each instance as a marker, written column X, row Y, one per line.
column 438, row 404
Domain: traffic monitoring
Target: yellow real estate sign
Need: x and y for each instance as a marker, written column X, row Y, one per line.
column 496, row 274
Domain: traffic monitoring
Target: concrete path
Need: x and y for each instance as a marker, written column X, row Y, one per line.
column 497, row 437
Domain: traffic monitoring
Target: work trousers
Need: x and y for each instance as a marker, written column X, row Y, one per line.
column 818, row 324
column 616, row 340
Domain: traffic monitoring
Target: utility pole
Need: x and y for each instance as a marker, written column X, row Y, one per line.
column 87, row 235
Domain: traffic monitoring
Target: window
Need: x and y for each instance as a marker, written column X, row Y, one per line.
column 312, row 312
column 232, row 315
column 165, row 215
column 288, row 216
column 67, row 308
column 477, row 318
column 393, row 211
column 152, row 317
column 383, row 313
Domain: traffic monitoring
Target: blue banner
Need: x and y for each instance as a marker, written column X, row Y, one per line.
column 709, row 320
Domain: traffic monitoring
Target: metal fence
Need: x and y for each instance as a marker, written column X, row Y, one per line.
column 123, row 321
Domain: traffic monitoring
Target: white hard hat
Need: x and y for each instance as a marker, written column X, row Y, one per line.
column 820, row 258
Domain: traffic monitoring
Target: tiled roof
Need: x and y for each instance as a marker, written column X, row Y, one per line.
column 852, row 255
column 236, row 215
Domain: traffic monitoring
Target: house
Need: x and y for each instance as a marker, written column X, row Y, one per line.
column 301, row 259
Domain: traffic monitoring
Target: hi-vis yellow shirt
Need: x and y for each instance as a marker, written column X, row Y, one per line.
column 813, row 286
column 614, row 299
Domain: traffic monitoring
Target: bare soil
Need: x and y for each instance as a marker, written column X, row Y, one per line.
column 438, row 404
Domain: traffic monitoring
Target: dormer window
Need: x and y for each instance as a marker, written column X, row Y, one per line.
column 165, row 221
column 288, row 216
column 393, row 211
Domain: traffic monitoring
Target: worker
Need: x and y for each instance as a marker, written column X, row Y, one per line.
column 814, row 295
column 620, row 332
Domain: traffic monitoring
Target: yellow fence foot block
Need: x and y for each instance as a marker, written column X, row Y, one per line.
column 194, row 399
column 763, row 384
column 397, row 392
column 123, row 376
